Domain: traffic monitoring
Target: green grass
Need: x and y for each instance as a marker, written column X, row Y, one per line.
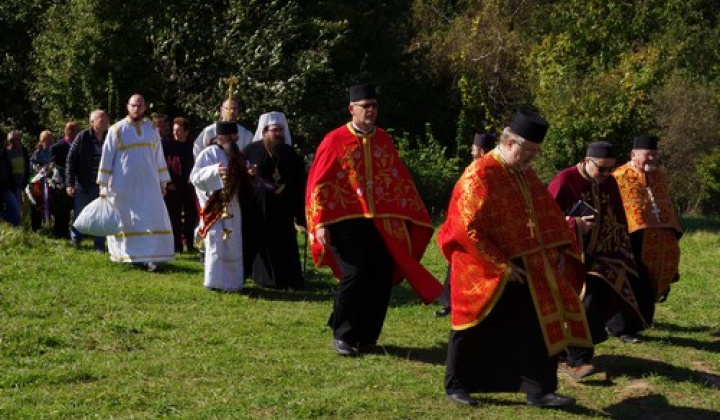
column 84, row 338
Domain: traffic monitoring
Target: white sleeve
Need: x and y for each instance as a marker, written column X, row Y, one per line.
column 205, row 175
column 244, row 137
column 107, row 159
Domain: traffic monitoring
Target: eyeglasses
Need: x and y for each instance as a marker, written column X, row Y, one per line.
column 526, row 150
column 602, row 169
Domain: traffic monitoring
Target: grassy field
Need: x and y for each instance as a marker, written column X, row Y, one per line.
column 84, row 338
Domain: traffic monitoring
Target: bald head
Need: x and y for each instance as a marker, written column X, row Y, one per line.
column 136, row 107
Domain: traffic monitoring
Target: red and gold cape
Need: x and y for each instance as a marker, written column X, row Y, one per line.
column 648, row 206
column 359, row 176
column 498, row 215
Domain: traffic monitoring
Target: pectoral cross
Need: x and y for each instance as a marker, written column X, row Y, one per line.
column 655, row 209
column 531, row 225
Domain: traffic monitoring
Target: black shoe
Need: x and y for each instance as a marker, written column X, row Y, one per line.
column 442, row 312
column 344, row 349
column 550, row 400
column 462, row 397
column 630, row 339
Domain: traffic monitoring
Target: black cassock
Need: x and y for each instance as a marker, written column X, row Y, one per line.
column 279, row 203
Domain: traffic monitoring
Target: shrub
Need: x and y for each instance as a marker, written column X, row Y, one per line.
column 434, row 172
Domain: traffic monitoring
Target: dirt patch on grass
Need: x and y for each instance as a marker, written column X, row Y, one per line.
column 635, row 389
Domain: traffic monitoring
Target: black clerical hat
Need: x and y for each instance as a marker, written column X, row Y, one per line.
column 360, row 92
column 645, row 142
column 226, row 127
column 600, row 149
column 529, row 126
column 485, row 141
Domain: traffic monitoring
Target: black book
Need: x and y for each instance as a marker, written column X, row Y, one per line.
column 581, row 209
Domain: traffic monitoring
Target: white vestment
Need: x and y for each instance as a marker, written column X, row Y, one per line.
column 210, row 132
column 133, row 169
column 223, row 257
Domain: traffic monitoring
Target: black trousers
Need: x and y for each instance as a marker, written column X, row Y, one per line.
column 363, row 295
column 62, row 205
column 506, row 352
column 444, row 298
column 181, row 204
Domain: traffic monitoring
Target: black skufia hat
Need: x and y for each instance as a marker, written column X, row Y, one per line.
column 226, row 127
column 645, row 142
column 485, row 141
column 360, row 92
column 600, row 149
column 530, row 126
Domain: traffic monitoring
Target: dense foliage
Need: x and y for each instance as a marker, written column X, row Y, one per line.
column 597, row 69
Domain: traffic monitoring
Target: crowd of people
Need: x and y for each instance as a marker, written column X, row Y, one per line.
column 542, row 272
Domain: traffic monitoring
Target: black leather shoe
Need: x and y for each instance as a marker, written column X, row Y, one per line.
column 462, row 398
column 550, row 400
column 344, row 349
column 442, row 312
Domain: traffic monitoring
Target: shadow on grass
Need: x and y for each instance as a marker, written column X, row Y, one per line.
column 434, row 355
column 657, row 407
column 713, row 347
column 665, row 326
column 519, row 400
column 170, row 268
column 620, row 365
column 285, row 295
column 314, row 291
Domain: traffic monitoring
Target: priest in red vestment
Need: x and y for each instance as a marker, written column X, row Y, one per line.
column 366, row 221
column 653, row 225
column 601, row 232
column 516, row 275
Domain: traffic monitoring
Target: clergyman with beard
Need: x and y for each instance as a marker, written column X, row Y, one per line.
column 133, row 170
column 222, row 183
column 279, row 203
column 602, row 237
column 653, row 225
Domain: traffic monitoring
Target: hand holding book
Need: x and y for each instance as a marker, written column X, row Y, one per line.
column 581, row 209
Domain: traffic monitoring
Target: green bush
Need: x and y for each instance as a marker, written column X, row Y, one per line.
column 434, row 172
column 709, row 174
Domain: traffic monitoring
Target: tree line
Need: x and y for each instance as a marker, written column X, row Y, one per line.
column 596, row 69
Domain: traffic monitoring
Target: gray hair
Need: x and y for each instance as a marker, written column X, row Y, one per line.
column 95, row 114
column 509, row 135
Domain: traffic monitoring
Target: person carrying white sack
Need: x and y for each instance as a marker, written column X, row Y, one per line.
column 133, row 168
column 222, row 184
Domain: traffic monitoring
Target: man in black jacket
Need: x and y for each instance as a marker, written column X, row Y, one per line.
column 81, row 169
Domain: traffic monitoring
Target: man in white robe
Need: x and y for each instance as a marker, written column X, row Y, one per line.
column 134, row 173
column 221, row 180
column 229, row 111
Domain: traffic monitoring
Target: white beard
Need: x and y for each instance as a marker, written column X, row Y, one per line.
column 649, row 168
